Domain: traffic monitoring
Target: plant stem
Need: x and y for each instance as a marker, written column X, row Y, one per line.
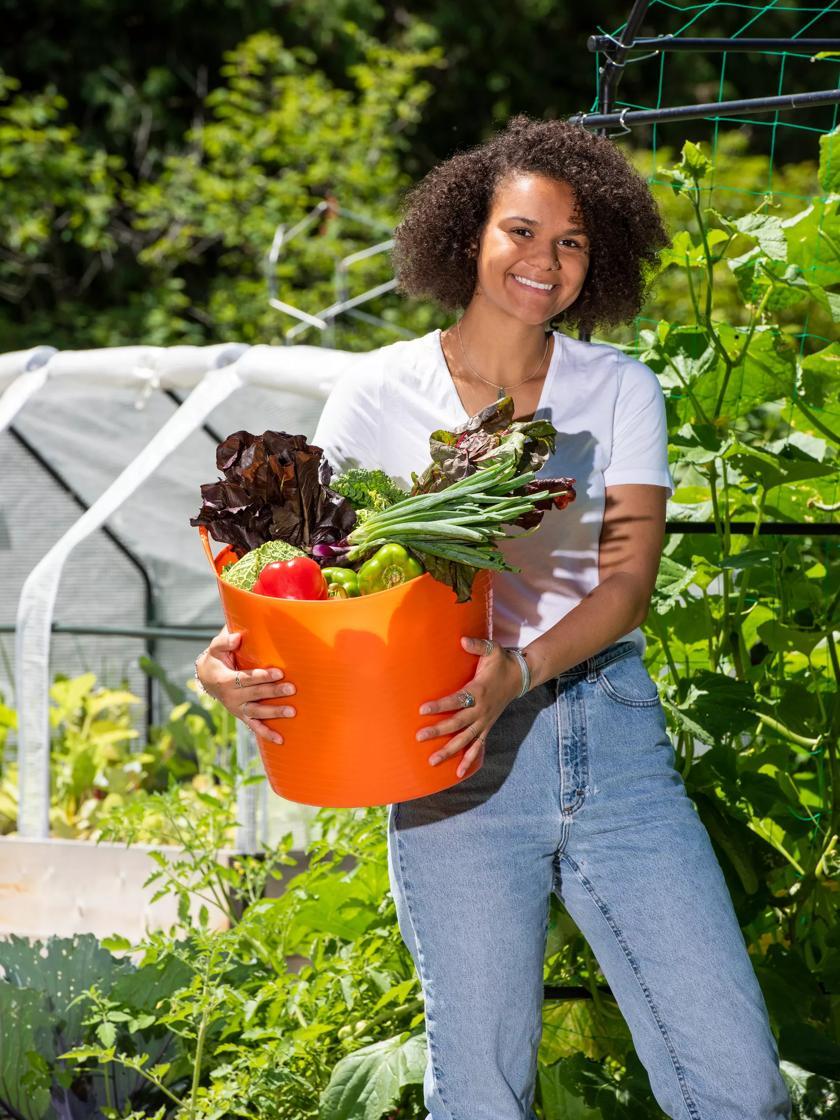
column 756, row 826
column 698, row 408
column 202, row 1033
column 722, row 535
column 785, row 732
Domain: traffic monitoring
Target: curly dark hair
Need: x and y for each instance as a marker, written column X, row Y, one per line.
column 443, row 216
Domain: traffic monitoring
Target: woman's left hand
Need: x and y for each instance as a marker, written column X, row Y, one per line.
column 496, row 682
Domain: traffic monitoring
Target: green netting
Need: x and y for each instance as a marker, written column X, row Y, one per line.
column 797, row 71
column 748, row 174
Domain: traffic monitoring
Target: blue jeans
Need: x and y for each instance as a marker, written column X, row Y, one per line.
column 578, row 794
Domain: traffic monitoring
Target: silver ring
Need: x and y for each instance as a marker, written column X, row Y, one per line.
column 489, row 646
column 469, row 699
column 237, row 681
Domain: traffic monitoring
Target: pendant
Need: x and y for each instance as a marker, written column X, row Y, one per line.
column 502, row 393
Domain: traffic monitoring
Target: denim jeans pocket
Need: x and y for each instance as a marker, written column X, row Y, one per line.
column 627, row 681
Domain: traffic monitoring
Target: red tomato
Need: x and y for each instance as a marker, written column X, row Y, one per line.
column 299, row 578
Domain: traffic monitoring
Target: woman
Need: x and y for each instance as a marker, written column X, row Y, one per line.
column 577, row 792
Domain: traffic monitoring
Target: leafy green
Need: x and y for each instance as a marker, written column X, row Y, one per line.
column 453, row 531
column 490, row 434
column 243, row 573
column 367, row 489
column 274, row 488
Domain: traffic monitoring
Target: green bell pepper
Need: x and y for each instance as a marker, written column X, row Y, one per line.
column 345, row 578
column 390, row 566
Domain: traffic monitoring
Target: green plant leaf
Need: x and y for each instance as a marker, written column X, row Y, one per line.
column 809, row 1048
column 369, row 1081
column 25, row 1029
column 829, row 173
column 813, row 240
column 61, row 968
column 673, row 578
column 560, row 1101
column 813, row 1097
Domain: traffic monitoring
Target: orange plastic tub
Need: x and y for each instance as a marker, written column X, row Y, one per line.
column 362, row 667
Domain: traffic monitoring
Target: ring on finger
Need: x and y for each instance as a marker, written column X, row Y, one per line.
column 489, row 646
column 237, row 681
column 469, row 699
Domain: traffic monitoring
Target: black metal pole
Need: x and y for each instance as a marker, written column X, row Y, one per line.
column 175, row 633
column 674, row 43
column 612, row 69
column 707, row 109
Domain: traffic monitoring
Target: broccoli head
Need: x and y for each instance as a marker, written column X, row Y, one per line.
column 366, row 489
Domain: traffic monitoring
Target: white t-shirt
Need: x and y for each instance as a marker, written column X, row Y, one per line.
column 608, row 409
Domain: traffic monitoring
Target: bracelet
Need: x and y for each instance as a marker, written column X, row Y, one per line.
column 525, row 668
column 201, row 687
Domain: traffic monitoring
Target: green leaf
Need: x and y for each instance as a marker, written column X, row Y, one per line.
column 813, row 1097
column 813, row 240
column 61, row 968
column 783, row 638
column 819, row 384
column 784, row 463
column 686, row 253
column 809, row 1048
column 143, row 989
column 586, row 1078
column 720, row 704
column 750, row 558
column 767, row 371
column 339, row 912
column 829, row 173
column 672, row 580
column 116, row 943
column 767, row 231
column 694, row 162
column 560, row 1101
column 25, row 1028
column 369, row 1081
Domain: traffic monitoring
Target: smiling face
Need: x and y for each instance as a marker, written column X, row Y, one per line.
column 533, row 251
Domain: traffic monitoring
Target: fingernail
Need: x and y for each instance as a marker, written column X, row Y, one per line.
column 424, row 711
column 287, row 711
column 276, row 674
column 435, row 759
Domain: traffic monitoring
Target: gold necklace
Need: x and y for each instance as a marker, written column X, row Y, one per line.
column 501, row 388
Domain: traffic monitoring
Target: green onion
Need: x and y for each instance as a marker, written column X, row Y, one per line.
column 460, row 523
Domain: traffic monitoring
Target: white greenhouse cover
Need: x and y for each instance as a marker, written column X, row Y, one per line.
column 104, row 423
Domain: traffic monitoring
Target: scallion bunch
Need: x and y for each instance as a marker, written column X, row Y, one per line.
column 459, row 524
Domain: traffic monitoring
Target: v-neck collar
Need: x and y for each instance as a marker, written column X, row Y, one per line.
column 452, row 392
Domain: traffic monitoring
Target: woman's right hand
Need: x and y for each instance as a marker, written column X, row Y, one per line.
column 217, row 673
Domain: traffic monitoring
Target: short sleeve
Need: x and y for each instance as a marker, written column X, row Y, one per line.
column 348, row 428
column 640, row 432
